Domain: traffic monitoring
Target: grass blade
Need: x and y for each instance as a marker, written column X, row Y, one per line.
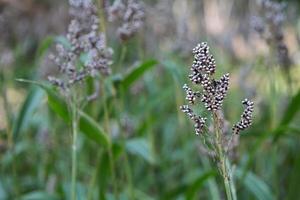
column 90, row 128
column 30, row 104
column 136, row 73
column 291, row 111
column 140, row 147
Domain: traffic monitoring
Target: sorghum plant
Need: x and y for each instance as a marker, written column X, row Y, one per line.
column 83, row 41
column 270, row 28
column 212, row 95
column 131, row 15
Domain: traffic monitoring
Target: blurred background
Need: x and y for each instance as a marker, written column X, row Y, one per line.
column 155, row 153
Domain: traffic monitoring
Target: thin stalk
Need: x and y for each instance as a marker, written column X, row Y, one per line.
column 122, row 55
column 123, row 141
column 74, row 148
column 101, row 8
column 110, row 149
column 273, row 93
column 222, row 157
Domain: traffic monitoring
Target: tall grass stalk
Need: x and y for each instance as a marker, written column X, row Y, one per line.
column 127, row 167
column 110, row 149
column 74, row 110
column 224, row 164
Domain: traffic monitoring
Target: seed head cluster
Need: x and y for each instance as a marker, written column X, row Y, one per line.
column 203, row 69
column 130, row 13
column 213, row 91
column 199, row 121
column 191, row 96
column 83, row 39
column 246, row 117
column 270, row 27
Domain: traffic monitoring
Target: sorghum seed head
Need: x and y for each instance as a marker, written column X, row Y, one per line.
column 191, row 96
column 199, row 122
column 246, row 117
column 83, row 38
column 131, row 14
column 203, row 60
column 213, row 91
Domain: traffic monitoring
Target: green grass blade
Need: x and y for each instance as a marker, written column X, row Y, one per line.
column 92, row 130
column 56, row 103
column 291, row 111
column 30, row 104
column 136, row 73
column 140, row 147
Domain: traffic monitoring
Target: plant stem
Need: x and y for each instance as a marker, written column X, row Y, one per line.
column 74, row 148
column 222, row 157
column 110, row 149
column 101, row 13
column 127, row 167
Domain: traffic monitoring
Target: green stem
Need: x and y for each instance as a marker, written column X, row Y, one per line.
column 101, row 13
column 110, row 149
column 122, row 56
column 74, row 149
column 222, row 157
column 127, row 167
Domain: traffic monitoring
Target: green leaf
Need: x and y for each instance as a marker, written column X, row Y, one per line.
column 90, row 128
column 291, row 111
column 140, row 147
column 30, row 104
column 56, row 103
column 255, row 185
column 136, row 73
